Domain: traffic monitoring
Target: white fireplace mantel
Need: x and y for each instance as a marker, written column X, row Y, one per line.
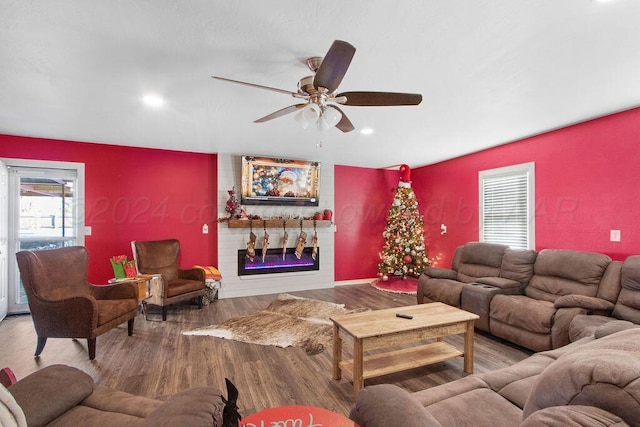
column 230, row 239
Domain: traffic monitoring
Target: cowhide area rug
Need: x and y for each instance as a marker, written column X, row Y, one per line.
column 287, row 321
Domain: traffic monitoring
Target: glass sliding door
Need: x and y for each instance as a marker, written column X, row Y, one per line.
column 4, row 240
column 43, row 215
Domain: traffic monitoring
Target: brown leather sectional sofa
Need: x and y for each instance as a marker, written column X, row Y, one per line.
column 531, row 298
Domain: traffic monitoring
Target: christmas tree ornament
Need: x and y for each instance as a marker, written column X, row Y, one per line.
column 385, row 277
column 407, row 259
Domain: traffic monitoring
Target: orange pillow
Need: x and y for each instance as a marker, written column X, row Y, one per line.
column 210, row 272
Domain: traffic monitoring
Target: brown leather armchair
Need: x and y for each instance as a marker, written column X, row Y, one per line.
column 64, row 304
column 160, row 257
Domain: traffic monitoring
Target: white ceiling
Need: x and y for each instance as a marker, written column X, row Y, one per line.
column 490, row 72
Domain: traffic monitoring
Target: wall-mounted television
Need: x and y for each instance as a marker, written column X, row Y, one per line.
column 273, row 181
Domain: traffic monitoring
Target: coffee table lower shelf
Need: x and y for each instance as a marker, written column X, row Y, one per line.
column 376, row 365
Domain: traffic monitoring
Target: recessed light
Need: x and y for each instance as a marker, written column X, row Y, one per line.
column 153, row 100
column 366, row 131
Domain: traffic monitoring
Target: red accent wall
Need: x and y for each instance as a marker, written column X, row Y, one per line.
column 362, row 200
column 136, row 194
column 587, row 180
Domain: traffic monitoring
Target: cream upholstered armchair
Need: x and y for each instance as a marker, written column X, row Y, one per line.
column 64, row 304
column 160, row 258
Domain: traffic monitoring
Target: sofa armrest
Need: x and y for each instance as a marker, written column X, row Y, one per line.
column 499, row 282
column 122, row 290
column 440, row 273
column 582, row 301
column 50, row 392
column 195, row 407
column 192, row 274
column 387, row 405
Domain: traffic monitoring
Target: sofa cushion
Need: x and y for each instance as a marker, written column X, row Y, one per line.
column 610, row 286
column 560, row 272
column 496, row 410
column 573, row 416
column 604, row 373
column 480, row 260
column 517, row 264
column 443, row 290
column 628, row 304
column 523, row 312
column 50, row 392
column 181, row 287
column 384, row 405
column 585, row 325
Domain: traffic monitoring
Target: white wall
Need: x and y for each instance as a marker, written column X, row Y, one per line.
column 232, row 239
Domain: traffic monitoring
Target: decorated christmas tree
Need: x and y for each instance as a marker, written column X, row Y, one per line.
column 404, row 253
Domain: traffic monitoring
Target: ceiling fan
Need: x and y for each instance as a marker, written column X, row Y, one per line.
column 318, row 91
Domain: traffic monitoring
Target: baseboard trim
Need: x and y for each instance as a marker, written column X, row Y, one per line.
column 354, row 282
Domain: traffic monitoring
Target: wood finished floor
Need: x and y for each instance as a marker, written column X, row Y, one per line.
column 158, row 361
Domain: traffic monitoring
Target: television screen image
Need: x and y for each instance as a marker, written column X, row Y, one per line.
column 271, row 181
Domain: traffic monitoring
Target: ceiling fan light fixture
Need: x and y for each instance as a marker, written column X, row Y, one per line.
column 331, row 116
column 308, row 115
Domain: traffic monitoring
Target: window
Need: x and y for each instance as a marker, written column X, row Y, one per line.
column 507, row 206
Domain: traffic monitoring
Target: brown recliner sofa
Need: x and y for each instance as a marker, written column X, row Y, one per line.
column 479, row 271
column 565, row 283
column 592, row 382
column 626, row 311
column 60, row 396
column 531, row 298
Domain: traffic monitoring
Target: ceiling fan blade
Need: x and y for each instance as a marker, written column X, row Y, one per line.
column 273, row 89
column 344, row 124
column 372, row 99
column 334, row 66
column 288, row 110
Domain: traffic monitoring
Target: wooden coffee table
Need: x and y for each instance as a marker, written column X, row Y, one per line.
column 381, row 328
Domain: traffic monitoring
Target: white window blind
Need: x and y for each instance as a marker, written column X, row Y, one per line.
column 506, row 206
